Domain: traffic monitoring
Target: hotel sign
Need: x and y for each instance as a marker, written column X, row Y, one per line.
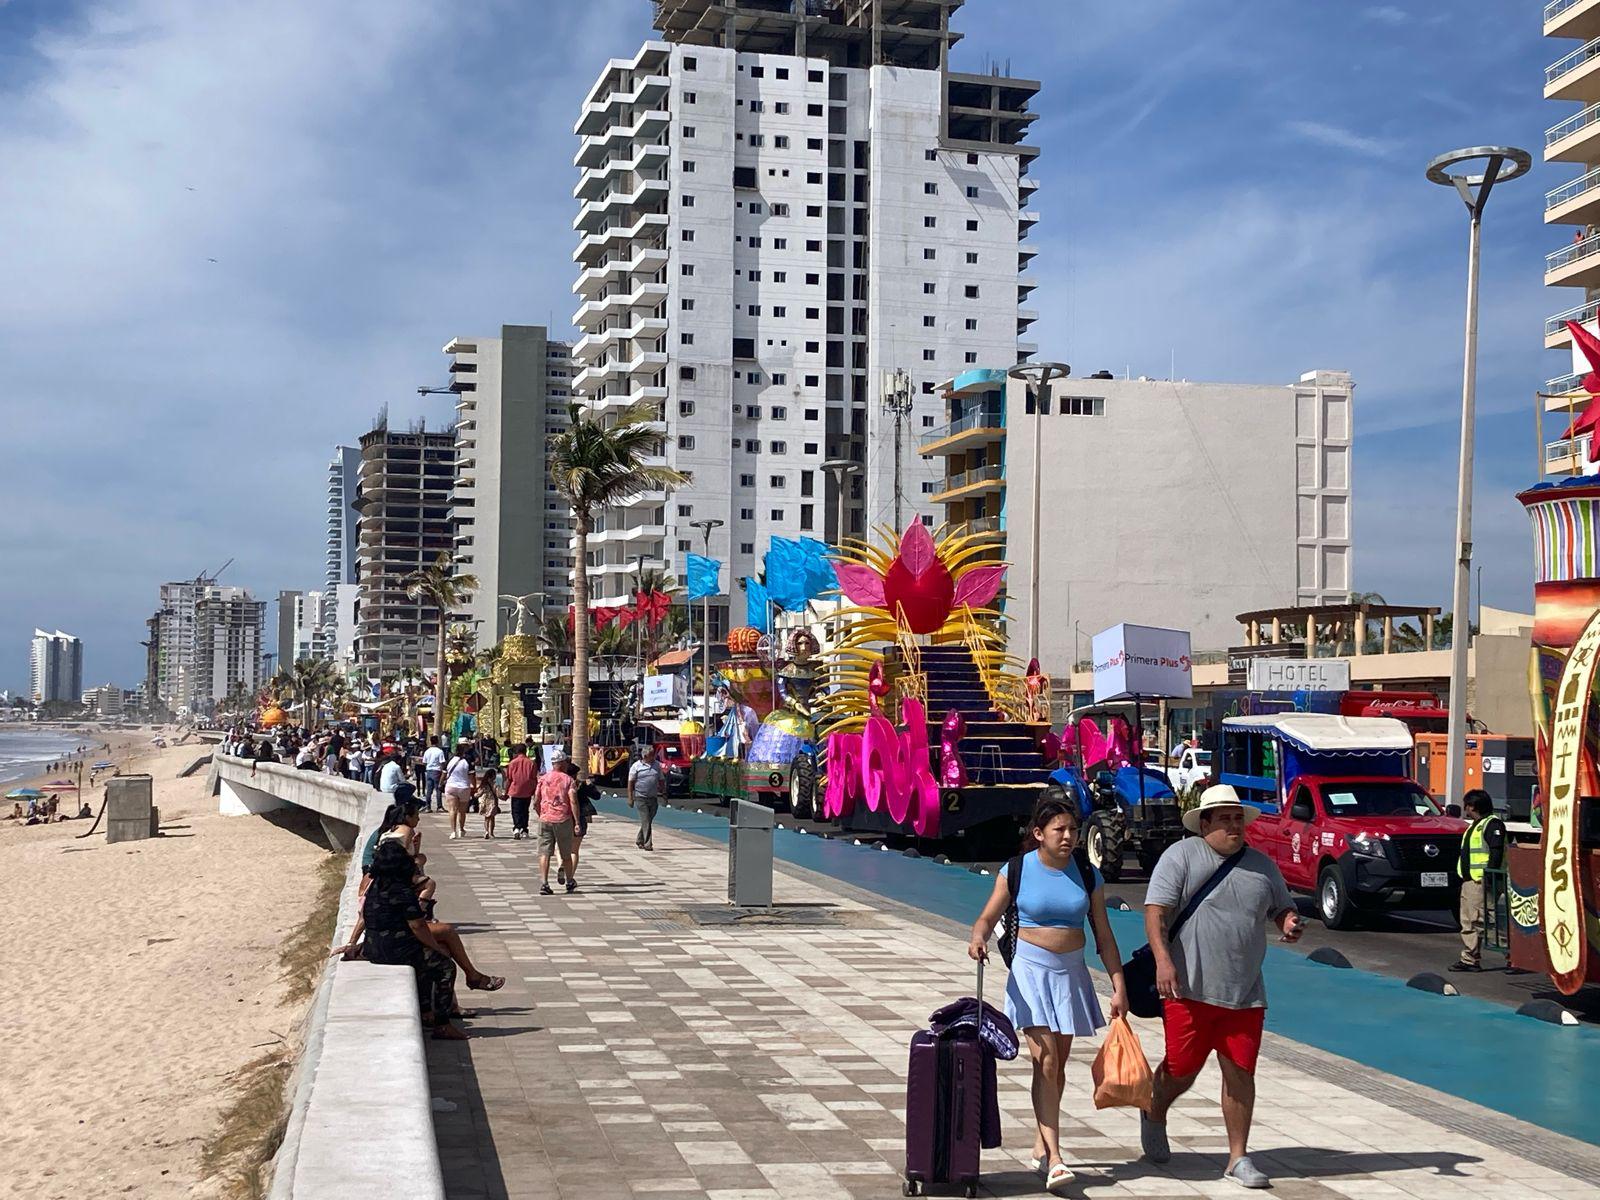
column 1298, row 674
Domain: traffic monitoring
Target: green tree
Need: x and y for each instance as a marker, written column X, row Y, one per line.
column 312, row 679
column 594, row 466
column 441, row 589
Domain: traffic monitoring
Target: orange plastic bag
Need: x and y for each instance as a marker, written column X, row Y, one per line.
column 1121, row 1072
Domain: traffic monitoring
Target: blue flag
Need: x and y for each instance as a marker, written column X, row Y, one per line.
column 705, row 577
column 755, row 604
column 786, row 574
column 820, row 576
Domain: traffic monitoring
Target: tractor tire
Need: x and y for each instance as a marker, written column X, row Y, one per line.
column 1103, row 844
column 803, row 788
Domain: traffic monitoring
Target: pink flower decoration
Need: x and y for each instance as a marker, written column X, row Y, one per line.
column 918, row 586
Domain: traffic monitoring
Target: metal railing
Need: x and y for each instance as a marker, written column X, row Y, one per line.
column 1580, row 314
column 1581, row 119
column 1567, row 448
column 1570, row 254
column 975, row 475
column 981, row 419
column 1571, row 62
column 1555, row 8
column 1556, row 197
column 1565, row 383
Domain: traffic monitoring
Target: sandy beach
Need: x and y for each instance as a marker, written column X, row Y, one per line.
column 141, row 978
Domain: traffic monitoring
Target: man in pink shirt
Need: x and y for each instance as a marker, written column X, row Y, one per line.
column 554, row 800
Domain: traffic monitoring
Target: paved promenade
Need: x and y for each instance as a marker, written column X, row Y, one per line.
column 646, row 1046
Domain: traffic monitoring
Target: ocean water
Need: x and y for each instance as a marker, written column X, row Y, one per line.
column 26, row 753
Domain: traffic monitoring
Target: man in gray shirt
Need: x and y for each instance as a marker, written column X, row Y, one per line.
column 644, row 793
column 1209, row 976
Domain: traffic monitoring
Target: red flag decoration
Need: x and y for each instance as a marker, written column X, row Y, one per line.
column 603, row 615
column 627, row 614
column 1588, row 421
column 572, row 614
column 652, row 607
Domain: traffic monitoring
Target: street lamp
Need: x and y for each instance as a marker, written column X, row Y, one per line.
column 841, row 469
column 1038, row 376
column 705, row 526
column 1501, row 164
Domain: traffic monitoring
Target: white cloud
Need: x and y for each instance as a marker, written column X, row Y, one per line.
column 1341, row 139
column 1386, row 14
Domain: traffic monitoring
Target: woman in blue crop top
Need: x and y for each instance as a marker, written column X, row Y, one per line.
column 1050, row 996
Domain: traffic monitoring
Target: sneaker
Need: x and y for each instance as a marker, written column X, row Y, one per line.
column 1153, row 1140
column 544, row 890
column 572, row 886
column 1246, row 1174
column 561, row 874
column 1464, row 966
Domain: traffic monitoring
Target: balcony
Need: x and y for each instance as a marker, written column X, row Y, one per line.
column 603, row 242
column 1576, row 139
column 1577, row 265
column 976, row 482
column 1575, row 76
column 1572, row 18
column 983, row 525
column 1561, row 385
column 613, row 207
column 1568, row 456
column 598, row 147
column 598, row 276
column 1556, row 334
column 1574, row 203
column 975, row 429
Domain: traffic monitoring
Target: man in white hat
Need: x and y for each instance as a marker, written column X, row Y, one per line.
column 1209, row 975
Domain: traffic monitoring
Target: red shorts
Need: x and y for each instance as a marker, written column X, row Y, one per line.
column 1194, row 1030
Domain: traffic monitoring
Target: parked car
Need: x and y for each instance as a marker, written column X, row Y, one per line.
column 1339, row 812
column 1190, row 765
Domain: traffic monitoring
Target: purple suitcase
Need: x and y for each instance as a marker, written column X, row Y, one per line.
column 944, row 1111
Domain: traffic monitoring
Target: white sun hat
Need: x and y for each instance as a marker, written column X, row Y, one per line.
column 1218, row 795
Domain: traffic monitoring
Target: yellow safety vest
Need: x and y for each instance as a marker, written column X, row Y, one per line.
column 1475, row 850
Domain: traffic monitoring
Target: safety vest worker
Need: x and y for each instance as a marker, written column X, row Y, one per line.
column 1482, row 846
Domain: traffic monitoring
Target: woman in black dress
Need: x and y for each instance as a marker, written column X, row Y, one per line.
column 398, row 934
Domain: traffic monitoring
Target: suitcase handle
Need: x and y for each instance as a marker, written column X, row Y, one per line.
column 980, row 989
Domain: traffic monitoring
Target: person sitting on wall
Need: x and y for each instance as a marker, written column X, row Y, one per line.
column 397, row 934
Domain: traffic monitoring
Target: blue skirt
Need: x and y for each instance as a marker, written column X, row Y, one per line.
column 1052, row 990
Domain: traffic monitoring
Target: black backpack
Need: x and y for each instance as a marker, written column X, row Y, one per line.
column 1008, row 938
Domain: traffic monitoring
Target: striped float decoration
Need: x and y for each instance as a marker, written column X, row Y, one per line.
column 1564, row 537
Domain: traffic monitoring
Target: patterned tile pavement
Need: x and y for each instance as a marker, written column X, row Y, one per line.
column 636, row 1052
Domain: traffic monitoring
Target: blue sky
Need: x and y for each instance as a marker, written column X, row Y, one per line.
column 234, row 231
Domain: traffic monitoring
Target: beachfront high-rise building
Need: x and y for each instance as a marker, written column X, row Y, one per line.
column 344, row 521
column 303, row 621
column 406, row 484
column 230, row 634
column 56, row 662
column 1572, row 76
column 107, row 700
column 511, row 529
column 1251, row 509
column 780, row 206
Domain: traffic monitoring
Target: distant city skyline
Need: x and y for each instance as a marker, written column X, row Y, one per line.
column 282, row 218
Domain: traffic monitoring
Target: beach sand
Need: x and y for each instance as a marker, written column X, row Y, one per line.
column 141, row 978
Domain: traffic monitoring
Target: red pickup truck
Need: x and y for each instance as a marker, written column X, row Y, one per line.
column 1339, row 812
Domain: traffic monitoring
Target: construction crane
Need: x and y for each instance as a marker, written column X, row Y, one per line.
column 213, row 576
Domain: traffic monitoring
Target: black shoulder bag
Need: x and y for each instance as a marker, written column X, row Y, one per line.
column 1139, row 972
column 1008, row 934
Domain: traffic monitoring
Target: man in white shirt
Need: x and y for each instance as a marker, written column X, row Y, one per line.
column 390, row 777
column 432, row 775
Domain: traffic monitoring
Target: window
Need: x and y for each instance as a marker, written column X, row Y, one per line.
column 777, row 481
column 780, row 141
column 753, row 377
column 813, row 210
column 780, row 210
column 686, row 441
column 686, row 269
column 813, row 245
column 688, row 97
column 813, row 314
column 757, row 139
column 688, row 235
column 969, row 357
column 811, row 414
column 927, row 387
column 686, row 408
column 688, row 201
column 779, row 447
column 972, row 227
column 972, row 193
column 929, row 289
column 753, row 309
column 780, row 243
column 685, row 372
column 688, row 131
column 747, row 514
column 687, row 304
column 755, row 208
column 686, row 510
column 929, row 487
column 1083, row 406
column 780, row 413
column 927, row 355
column 779, row 377
column 744, row 347
column 811, row 447
column 747, row 547
column 972, row 160
column 972, row 291
column 684, row 544
column 813, row 176
column 972, row 258
column 930, row 188
column 813, row 143
column 813, row 110
column 779, row 310
column 777, row 514
column 811, row 382
column 690, row 63
column 814, row 76
column 757, row 106
column 744, row 177
column 686, row 339
column 805, row 515
column 927, row 520
column 931, row 155
column 813, row 348
column 780, row 277
column 747, row 481
column 757, row 72
column 753, row 445
column 688, row 166
column 929, row 254
column 755, row 244
column 971, row 324
column 781, row 73
column 812, row 278
column 930, row 222
column 927, row 322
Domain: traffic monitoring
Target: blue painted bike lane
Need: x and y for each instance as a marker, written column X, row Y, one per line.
column 1547, row 1075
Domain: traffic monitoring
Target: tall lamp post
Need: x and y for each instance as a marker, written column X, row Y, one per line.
column 1501, row 163
column 705, row 526
column 1038, row 376
column 841, row 469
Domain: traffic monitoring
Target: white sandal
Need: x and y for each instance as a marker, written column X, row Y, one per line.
column 1059, row 1177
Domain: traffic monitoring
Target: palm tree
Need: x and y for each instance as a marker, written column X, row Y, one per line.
column 312, row 678
column 441, row 589
column 594, row 466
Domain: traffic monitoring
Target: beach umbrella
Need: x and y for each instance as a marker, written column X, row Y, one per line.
column 61, row 786
column 24, row 794
column 101, row 765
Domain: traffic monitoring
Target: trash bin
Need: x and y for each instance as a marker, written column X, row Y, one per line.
column 749, row 855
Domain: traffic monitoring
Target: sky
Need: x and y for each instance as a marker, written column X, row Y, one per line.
column 232, row 232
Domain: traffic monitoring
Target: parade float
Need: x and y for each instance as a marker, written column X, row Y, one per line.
column 929, row 728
